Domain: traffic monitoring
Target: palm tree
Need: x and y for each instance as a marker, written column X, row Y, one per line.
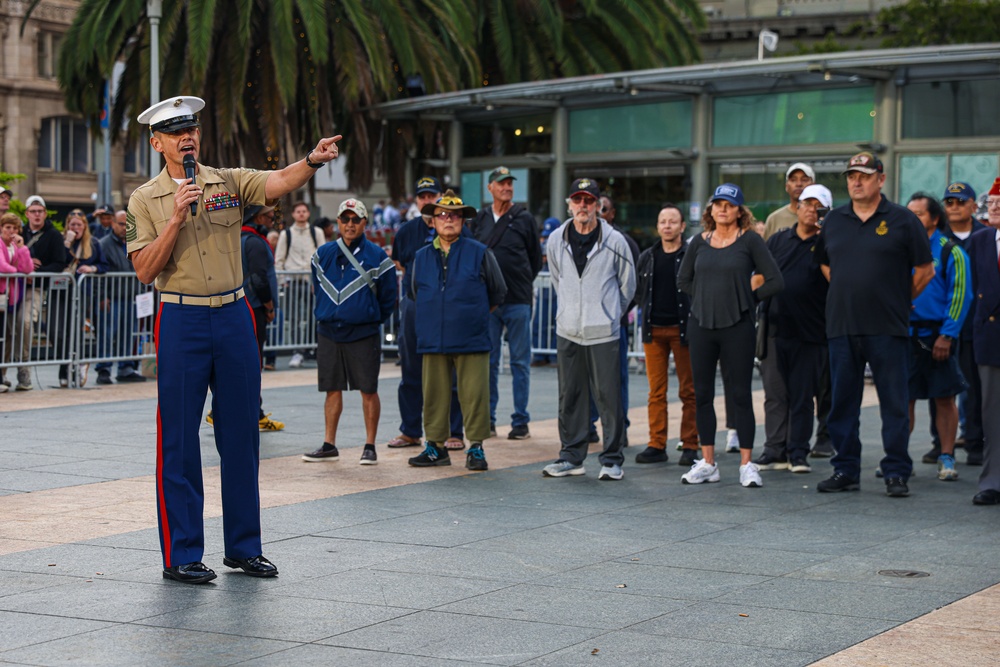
column 279, row 74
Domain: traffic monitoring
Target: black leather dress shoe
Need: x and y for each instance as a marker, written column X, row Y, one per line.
column 191, row 573
column 258, row 566
column 987, row 497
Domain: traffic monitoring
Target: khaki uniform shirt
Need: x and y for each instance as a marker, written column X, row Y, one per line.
column 780, row 219
column 206, row 258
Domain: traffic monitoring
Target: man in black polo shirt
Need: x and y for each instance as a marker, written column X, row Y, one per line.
column 876, row 256
column 796, row 333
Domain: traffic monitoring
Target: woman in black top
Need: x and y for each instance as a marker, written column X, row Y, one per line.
column 716, row 272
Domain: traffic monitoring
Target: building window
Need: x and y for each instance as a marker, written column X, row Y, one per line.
column 933, row 172
column 637, row 127
column 137, row 158
column 65, row 144
column 795, row 118
column 48, row 53
column 508, row 136
column 950, row 109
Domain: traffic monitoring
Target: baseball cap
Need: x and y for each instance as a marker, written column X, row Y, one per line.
column 107, row 208
column 174, row 114
column 253, row 211
column 550, row 225
column 355, row 205
column 501, row 174
column 585, row 186
column 818, row 192
column 34, row 199
column 6, row 191
column 866, row 163
column 804, row 168
column 429, row 184
column 959, row 190
column 728, row 192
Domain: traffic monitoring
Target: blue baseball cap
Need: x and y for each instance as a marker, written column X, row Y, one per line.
column 729, row 192
column 429, row 184
column 959, row 190
column 550, row 225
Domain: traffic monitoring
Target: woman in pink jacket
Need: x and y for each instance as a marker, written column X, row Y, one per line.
column 14, row 258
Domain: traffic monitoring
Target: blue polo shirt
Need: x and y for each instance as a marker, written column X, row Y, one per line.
column 871, row 269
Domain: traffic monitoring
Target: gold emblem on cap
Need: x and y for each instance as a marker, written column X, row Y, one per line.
column 882, row 229
column 585, row 183
column 179, row 101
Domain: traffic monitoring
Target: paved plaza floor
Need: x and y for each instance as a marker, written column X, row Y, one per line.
column 392, row 565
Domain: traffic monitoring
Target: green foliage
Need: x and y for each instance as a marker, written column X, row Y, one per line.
column 6, row 178
column 938, row 22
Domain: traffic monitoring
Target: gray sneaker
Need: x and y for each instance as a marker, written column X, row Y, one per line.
column 612, row 472
column 562, row 469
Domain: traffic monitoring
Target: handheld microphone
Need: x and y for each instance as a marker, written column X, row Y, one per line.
column 189, row 165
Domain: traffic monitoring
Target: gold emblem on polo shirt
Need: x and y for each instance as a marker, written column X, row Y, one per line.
column 882, row 229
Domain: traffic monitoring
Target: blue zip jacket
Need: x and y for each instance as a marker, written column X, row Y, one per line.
column 948, row 295
column 347, row 309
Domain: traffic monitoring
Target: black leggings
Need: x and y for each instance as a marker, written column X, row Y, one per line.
column 733, row 349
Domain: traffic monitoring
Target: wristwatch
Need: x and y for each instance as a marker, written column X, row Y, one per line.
column 310, row 163
column 950, row 339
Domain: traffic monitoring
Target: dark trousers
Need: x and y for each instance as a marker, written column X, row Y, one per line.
column 971, row 402
column 801, row 367
column 889, row 357
column 585, row 371
column 732, row 348
column 410, row 393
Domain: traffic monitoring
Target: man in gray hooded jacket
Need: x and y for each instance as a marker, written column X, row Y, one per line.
column 593, row 275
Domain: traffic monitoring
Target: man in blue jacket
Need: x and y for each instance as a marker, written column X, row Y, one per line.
column 935, row 324
column 456, row 283
column 355, row 286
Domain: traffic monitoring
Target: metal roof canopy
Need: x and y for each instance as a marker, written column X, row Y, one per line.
column 904, row 66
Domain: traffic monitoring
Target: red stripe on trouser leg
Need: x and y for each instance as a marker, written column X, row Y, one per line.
column 160, row 501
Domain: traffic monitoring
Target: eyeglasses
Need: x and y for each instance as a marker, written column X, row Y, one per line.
column 951, row 201
column 586, row 200
column 448, row 215
column 76, row 211
column 993, row 203
column 349, row 220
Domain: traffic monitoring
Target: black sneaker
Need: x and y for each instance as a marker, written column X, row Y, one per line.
column 822, row 450
column 104, row 377
column 932, row 456
column 768, row 462
column 475, row 459
column 327, row 452
column 592, row 437
column 368, row 456
column 519, row 433
column 651, row 455
column 431, row 456
column 838, row 482
column 493, row 430
column 895, row 487
column 800, row 465
column 688, row 457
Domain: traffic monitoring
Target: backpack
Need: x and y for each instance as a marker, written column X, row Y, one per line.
column 288, row 239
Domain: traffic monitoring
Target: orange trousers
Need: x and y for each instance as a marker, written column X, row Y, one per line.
column 667, row 340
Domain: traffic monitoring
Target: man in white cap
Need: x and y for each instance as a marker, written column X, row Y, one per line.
column 184, row 233
column 796, row 335
column 5, row 196
column 797, row 177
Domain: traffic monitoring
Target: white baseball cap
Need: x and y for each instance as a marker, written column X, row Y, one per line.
column 818, row 192
column 34, row 199
column 804, row 168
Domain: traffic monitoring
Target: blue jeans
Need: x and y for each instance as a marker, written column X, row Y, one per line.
column 516, row 318
column 889, row 357
column 114, row 336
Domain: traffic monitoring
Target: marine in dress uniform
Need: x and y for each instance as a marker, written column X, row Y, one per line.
column 204, row 335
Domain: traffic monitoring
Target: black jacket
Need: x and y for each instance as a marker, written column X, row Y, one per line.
column 644, row 293
column 517, row 251
column 46, row 245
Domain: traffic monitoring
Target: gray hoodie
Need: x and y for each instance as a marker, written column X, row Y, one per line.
column 590, row 306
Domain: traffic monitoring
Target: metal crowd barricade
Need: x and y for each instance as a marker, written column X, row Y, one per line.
column 107, row 328
column 38, row 320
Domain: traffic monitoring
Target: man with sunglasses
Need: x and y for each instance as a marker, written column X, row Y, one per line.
column 183, row 232
column 593, row 276
column 355, row 286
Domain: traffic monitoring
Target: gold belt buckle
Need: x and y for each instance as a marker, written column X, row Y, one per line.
column 215, row 301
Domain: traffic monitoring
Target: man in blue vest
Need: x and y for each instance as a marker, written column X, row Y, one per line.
column 456, row 283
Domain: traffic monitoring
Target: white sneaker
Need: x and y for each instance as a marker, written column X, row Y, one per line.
column 750, row 476
column 295, row 361
column 732, row 441
column 701, row 472
column 562, row 469
column 613, row 472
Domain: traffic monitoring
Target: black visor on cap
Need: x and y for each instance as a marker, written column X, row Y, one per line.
column 176, row 123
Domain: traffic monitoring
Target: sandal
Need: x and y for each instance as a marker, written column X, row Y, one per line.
column 403, row 441
column 454, row 443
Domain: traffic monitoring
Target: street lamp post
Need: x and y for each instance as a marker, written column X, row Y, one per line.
column 154, row 10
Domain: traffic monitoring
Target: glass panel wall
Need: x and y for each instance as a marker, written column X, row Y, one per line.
column 531, row 189
column 508, row 136
column 932, row 173
column 951, row 109
column 638, row 127
column 763, row 183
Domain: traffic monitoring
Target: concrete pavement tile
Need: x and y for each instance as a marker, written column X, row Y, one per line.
column 836, row 597
column 314, row 655
column 452, row 526
column 729, row 492
column 102, row 469
column 921, row 644
column 566, row 542
column 134, row 646
column 638, row 579
column 951, row 577
column 455, row 637
column 14, row 583
column 108, row 600
column 276, row 617
column 637, row 649
column 759, row 626
column 574, row 502
column 65, row 528
column 627, row 528
column 938, row 547
column 141, row 540
column 76, row 560
column 721, row 513
column 31, row 480
column 393, row 589
column 11, row 546
column 22, row 460
column 332, row 513
column 471, row 562
column 976, row 612
column 565, row 606
column 30, row 629
column 750, row 560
